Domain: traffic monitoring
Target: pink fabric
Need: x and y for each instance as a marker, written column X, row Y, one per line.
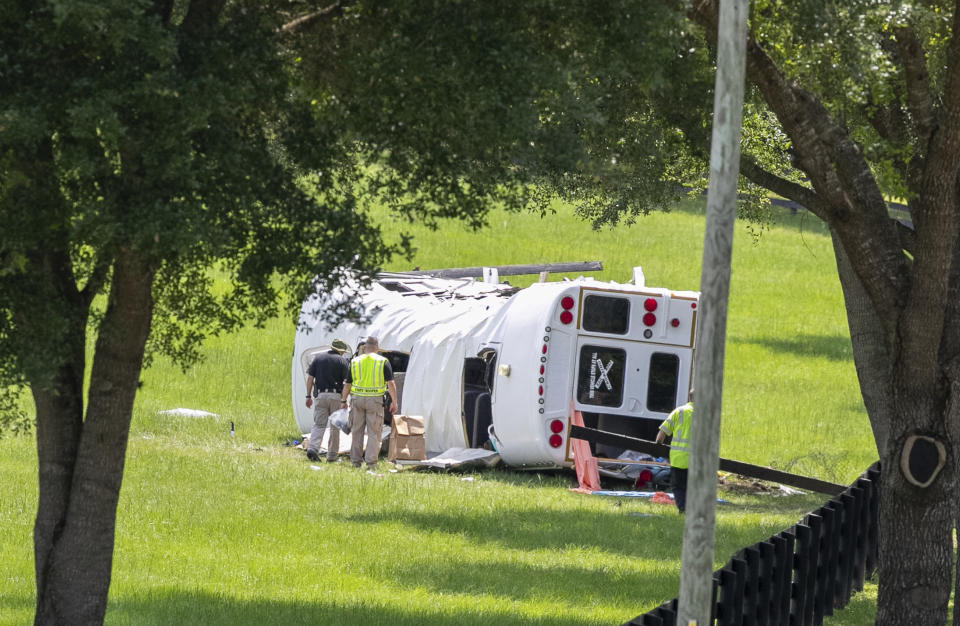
column 583, row 460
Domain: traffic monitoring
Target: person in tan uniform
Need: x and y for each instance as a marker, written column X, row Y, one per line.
column 369, row 377
column 325, row 378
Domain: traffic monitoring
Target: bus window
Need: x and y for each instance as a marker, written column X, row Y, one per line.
column 662, row 382
column 600, row 377
column 605, row 314
column 398, row 360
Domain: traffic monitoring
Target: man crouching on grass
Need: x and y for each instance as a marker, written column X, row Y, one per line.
column 369, row 377
column 677, row 426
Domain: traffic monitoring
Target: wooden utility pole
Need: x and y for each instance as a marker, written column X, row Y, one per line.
column 697, row 562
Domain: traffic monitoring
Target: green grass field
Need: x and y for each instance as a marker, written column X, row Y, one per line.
column 214, row 529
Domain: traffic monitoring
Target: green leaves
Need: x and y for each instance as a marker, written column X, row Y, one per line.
column 121, row 130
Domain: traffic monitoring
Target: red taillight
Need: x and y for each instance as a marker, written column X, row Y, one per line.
column 541, row 390
column 649, row 319
column 556, row 441
column 693, row 305
column 567, row 302
column 542, row 370
column 645, row 477
column 566, row 316
column 674, row 322
column 544, row 349
column 556, row 426
column 650, row 304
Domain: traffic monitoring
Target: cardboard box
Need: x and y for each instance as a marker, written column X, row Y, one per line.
column 406, row 439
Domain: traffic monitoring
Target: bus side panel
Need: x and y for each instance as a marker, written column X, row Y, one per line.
column 517, row 421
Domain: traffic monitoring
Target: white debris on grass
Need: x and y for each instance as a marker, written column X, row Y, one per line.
column 187, row 413
column 790, row 491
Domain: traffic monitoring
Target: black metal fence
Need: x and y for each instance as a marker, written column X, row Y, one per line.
column 799, row 575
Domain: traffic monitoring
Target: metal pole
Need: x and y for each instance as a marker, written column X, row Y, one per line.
column 697, row 562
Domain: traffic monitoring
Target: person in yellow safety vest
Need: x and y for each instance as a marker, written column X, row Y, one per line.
column 677, row 426
column 369, row 377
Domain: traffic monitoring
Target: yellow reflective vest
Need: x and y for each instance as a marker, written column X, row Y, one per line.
column 677, row 425
column 366, row 374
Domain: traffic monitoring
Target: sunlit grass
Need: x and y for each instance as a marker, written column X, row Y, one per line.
column 221, row 529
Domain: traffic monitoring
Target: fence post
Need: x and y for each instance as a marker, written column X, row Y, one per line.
column 668, row 612
column 874, row 475
column 714, row 599
column 751, row 585
column 801, row 566
column 783, row 577
column 767, row 576
column 828, row 557
column 851, row 499
column 740, row 568
column 815, row 522
column 863, row 530
column 728, row 588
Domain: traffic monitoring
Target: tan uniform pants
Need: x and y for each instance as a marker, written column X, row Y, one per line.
column 323, row 405
column 366, row 413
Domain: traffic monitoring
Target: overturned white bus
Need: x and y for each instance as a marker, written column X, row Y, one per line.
column 487, row 364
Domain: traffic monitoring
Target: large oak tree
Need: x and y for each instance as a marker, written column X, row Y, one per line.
column 145, row 143
column 148, row 147
column 867, row 96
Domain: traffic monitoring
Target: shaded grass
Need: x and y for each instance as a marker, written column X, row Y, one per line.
column 246, row 533
column 219, row 529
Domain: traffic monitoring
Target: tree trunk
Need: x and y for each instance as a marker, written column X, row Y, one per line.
column 78, row 556
column 916, row 528
column 59, row 422
column 870, row 354
column 916, row 523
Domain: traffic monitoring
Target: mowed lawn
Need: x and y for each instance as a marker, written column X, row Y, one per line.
column 221, row 529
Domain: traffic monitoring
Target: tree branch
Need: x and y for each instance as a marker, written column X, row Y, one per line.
column 837, row 170
column 917, row 80
column 935, row 219
column 786, row 188
column 306, row 20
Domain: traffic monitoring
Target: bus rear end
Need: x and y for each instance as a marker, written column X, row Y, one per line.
column 620, row 355
column 634, row 358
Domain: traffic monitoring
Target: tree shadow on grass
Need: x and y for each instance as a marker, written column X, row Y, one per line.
column 18, row 609
column 623, row 533
column 176, row 606
column 832, row 347
column 567, row 585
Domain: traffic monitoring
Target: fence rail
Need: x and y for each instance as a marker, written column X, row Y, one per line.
column 801, row 574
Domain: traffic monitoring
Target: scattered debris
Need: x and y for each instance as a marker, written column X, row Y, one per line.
column 456, row 458
column 738, row 483
column 188, row 413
